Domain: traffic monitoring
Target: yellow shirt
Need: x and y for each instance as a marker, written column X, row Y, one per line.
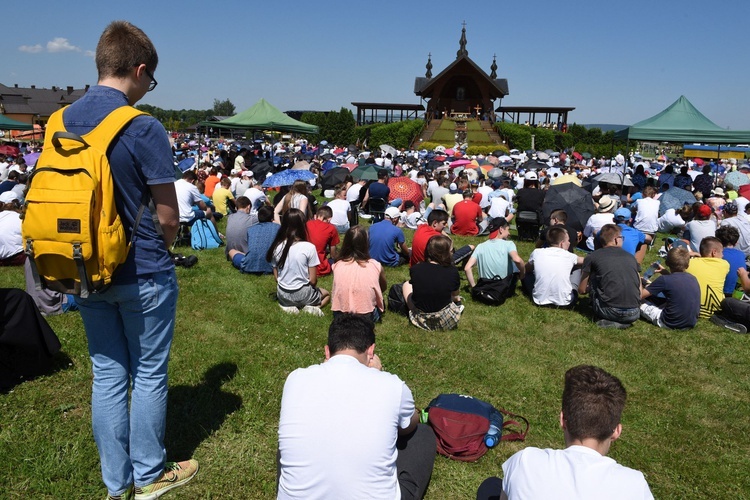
column 220, row 197
column 710, row 273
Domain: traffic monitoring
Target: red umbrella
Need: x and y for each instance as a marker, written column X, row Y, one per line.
column 577, row 155
column 350, row 166
column 698, row 161
column 9, row 150
column 406, row 189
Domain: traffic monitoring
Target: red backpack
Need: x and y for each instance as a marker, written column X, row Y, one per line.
column 461, row 424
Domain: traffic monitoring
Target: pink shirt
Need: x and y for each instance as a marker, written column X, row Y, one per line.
column 356, row 287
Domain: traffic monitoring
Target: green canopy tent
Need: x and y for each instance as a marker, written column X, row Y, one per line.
column 682, row 123
column 11, row 124
column 263, row 116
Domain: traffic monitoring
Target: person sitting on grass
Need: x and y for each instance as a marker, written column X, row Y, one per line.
column 387, row 241
column 634, row 241
column 467, row 216
column 700, row 227
column 437, row 220
column 549, row 269
column 340, row 209
column 258, row 238
column 711, row 271
column 237, row 225
column 647, row 214
column 592, row 405
column 729, row 236
column 432, row 293
column 496, row 257
column 358, row 280
column 347, row 429
column 325, row 237
column 673, row 300
column 615, row 283
column 295, row 267
column 222, row 197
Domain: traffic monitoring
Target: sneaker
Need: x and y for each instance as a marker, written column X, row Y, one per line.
column 127, row 495
column 729, row 325
column 175, row 474
column 314, row 310
column 605, row 323
column 289, row 309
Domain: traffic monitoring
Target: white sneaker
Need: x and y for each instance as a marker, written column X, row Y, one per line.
column 314, row 310
column 289, row 309
column 365, row 216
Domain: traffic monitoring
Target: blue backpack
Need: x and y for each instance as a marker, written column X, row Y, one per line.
column 203, row 235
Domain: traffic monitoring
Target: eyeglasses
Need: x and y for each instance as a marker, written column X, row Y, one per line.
column 153, row 83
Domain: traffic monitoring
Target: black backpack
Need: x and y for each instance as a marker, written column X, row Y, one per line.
column 396, row 300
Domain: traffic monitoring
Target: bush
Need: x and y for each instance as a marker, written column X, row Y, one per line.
column 484, row 149
column 398, row 134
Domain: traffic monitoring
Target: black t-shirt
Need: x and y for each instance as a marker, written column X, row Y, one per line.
column 614, row 277
column 433, row 285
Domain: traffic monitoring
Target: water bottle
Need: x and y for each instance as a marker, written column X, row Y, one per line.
column 651, row 270
column 493, row 433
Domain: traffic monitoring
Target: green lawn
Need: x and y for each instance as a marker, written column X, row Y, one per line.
column 686, row 424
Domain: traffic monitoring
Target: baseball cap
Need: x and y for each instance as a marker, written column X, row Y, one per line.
column 392, row 212
column 531, row 176
column 704, row 211
column 8, row 196
column 495, row 225
column 623, row 214
column 731, row 208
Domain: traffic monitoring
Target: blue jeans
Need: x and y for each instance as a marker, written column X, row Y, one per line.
column 617, row 314
column 129, row 329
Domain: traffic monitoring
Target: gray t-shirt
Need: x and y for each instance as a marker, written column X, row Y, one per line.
column 237, row 224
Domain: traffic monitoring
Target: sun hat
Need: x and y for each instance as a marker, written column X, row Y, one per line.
column 606, row 204
column 718, row 191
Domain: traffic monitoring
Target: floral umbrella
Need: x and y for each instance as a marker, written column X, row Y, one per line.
column 406, row 189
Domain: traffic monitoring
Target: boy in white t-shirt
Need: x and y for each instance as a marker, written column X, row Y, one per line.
column 592, row 404
column 548, row 271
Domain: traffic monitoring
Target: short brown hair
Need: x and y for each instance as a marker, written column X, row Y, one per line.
column 555, row 235
column 439, row 250
column 678, row 259
column 728, row 235
column 560, row 215
column 242, row 202
column 122, row 47
column 609, row 233
column 592, row 402
column 710, row 243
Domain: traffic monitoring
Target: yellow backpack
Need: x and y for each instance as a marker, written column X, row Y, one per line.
column 72, row 233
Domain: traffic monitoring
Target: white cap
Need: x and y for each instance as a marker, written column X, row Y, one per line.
column 8, row 196
column 392, row 212
column 531, row 176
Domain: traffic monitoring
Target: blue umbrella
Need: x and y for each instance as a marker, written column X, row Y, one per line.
column 675, row 198
column 735, row 178
column 287, row 178
column 186, row 164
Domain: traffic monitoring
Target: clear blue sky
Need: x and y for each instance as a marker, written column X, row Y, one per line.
column 615, row 62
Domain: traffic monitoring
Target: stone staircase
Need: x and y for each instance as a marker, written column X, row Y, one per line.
column 426, row 134
column 491, row 132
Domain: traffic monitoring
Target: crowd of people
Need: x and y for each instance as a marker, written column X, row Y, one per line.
column 386, row 453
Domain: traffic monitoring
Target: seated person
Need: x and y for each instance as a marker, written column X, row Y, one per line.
column 295, row 267
column 385, row 237
column 324, row 452
column 259, row 238
column 432, row 293
column 358, row 280
column 700, row 227
column 634, row 241
column 647, row 213
column 11, row 243
column 673, row 299
column 340, row 209
column 729, row 236
column 673, row 221
column 325, row 237
column 437, row 220
column 604, row 215
column 592, row 404
column 559, row 218
column 548, row 271
column 467, row 216
column 237, row 225
column 222, row 197
column 497, row 257
column 189, row 199
column 711, row 271
column 411, row 218
column 615, row 283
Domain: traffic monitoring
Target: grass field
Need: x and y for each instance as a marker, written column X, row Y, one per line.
column 686, row 423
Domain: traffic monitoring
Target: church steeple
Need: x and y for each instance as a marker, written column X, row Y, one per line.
column 462, row 43
column 493, row 68
column 428, row 74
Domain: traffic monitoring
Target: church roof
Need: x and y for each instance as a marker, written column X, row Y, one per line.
column 423, row 86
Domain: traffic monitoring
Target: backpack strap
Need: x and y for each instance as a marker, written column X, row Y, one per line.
column 514, row 436
column 109, row 128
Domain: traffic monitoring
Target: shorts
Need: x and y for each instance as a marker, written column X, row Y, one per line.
column 308, row 295
column 445, row 319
